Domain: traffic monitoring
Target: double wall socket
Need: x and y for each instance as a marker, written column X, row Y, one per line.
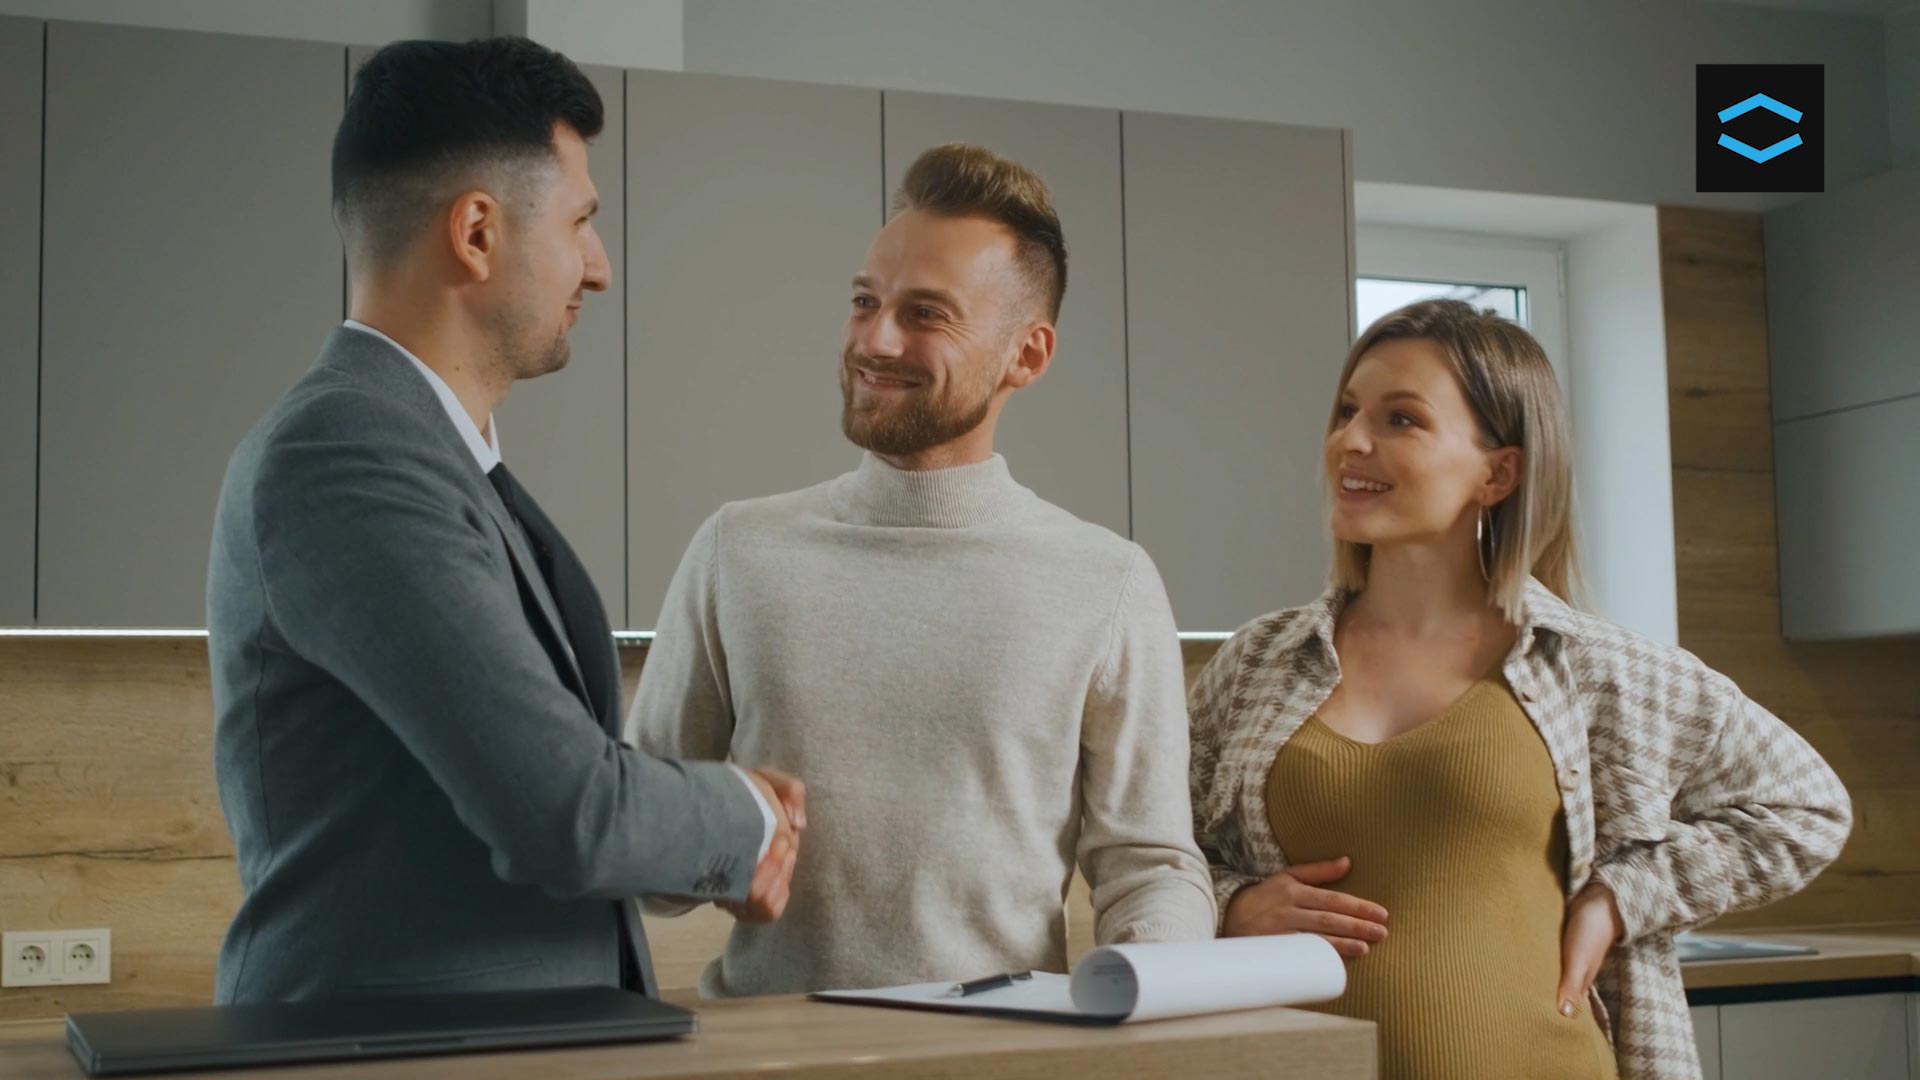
column 55, row 957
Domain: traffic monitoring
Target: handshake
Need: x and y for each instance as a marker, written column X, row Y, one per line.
column 773, row 878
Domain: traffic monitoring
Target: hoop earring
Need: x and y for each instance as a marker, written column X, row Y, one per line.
column 1483, row 544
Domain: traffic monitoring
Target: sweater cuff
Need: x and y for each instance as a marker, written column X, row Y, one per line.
column 1637, row 887
column 1225, row 884
column 1164, row 925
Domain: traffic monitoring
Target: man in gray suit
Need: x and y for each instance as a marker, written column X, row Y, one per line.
column 415, row 686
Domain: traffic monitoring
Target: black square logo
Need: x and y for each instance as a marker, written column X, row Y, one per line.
column 1760, row 127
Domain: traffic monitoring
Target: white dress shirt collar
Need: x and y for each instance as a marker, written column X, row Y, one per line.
column 485, row 448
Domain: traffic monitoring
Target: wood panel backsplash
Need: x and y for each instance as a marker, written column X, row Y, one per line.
column 109, row 817
column 1858, row 702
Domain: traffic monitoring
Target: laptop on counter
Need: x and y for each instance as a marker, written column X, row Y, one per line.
column 387, row 1025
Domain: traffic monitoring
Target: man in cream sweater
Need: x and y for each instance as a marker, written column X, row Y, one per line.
column 979, row 687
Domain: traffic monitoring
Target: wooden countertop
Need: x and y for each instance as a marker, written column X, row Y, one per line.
column 791, row 1037
column 1863, row 952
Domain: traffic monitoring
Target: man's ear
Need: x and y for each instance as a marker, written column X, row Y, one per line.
column 474, row 227
column 1033, row 354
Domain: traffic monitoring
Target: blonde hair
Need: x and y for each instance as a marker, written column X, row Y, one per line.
column 959, row 180
column 1509, row 384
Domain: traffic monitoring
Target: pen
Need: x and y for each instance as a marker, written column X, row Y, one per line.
column 991, row 982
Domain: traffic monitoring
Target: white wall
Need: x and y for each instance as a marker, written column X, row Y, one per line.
column 369, row 22
column 1553, row 97
column 1623, row 471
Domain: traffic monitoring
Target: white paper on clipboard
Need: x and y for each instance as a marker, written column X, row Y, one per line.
column 1123, row 984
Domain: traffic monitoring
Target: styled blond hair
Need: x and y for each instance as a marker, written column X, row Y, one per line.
column 959, row 180
column 1510, row 386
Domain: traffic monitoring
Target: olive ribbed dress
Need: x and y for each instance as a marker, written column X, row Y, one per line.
column 1455, row 828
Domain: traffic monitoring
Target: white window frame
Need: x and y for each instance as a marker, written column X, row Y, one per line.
column 1538, row 266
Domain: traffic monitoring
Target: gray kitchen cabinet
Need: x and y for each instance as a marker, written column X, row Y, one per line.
column 1913, row 1035
column 191, row 271
column 1065, row 436
column 1706, row 1038
column 1841, row 271
column 20, row 72
column 1846, row 403
column 1239, row 312
column 750, row 204
column 1859, row 1038
column 1848, row 512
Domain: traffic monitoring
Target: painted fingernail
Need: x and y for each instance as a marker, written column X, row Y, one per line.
column 1566, row 1009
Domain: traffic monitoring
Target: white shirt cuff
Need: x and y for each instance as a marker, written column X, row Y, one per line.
column 766, row 812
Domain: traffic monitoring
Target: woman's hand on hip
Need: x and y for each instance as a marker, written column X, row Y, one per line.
column 1593, row 926
column 1294, row 900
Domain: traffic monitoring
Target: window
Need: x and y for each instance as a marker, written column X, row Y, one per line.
column 1374, row 297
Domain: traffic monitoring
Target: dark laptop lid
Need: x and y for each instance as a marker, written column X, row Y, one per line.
column 388, row 1025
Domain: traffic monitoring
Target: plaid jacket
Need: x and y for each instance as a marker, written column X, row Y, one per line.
column 1681, row 795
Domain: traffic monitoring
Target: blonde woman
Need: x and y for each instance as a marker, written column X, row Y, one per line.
column 1498, row 807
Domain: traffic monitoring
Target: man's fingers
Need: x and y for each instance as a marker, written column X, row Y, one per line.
column 791, row 793
column 771, row 888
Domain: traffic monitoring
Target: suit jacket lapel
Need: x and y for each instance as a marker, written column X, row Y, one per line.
column 370, row 361
column 531, row 579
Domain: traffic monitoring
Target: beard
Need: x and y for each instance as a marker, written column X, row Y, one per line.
column 917, row 422
column 525, row 346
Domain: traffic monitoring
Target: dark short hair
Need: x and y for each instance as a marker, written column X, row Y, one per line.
column 425, row 114
column 957, row 180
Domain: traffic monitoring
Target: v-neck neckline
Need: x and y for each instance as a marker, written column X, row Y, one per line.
column 1439, row 718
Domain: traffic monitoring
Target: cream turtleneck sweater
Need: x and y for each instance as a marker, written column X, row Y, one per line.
column 977, row 688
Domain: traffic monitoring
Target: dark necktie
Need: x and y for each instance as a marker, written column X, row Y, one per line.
column 592, row 640
column 573, row 593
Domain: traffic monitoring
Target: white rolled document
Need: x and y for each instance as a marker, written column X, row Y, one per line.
column 1122, row 984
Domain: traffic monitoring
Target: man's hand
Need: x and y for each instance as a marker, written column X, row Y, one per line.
column 1292, row 900
column 772, row 879
column 1593, row 926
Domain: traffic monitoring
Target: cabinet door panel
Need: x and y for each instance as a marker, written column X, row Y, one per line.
column 191, row 272
column 1239, row 312
column 749, row 206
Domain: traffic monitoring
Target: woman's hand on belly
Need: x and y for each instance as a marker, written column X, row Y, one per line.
column 1593, row 926
column 1293, row 901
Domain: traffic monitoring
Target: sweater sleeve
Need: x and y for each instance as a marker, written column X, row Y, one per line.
column 1214, row 828
column 1136, row 842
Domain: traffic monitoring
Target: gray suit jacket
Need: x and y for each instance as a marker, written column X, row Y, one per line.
column 419, row 793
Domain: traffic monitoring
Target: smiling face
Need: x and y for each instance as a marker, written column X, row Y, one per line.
column 938, row 335
column 1406, row 458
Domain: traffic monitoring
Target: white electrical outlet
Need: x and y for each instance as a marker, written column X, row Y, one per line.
column 56, row 957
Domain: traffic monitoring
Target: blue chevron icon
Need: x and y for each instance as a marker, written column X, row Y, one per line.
column 1760, row 157
column 1760, row 101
